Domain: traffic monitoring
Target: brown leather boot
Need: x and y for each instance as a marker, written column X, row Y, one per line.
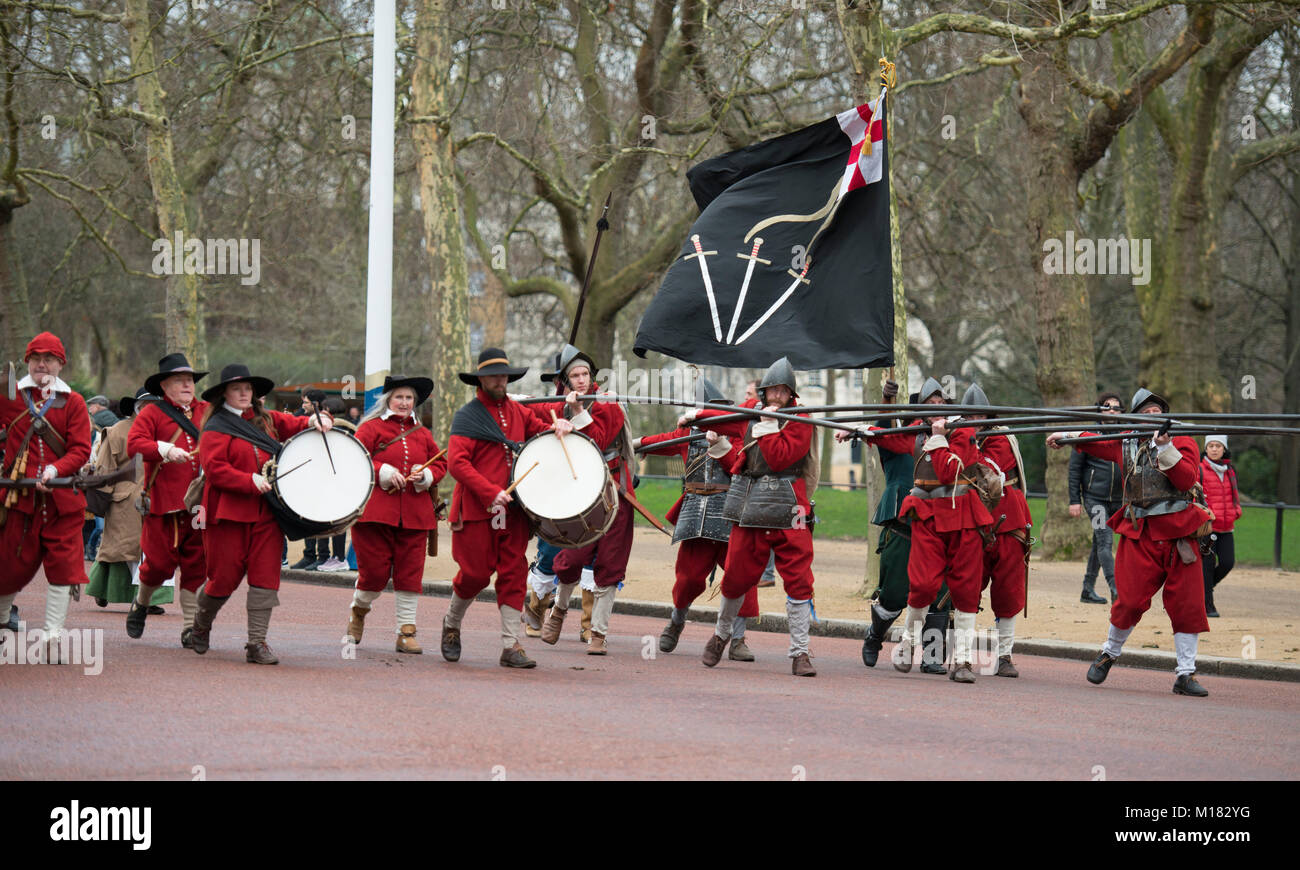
column 209, row 606
column 739, row 651
column 515, row 657
column 535, row 611
column 713, row 651
column 553, row 624
column 962, row 673
column 1005, row 668
column 406, row 642
column 450, row 643
column 357, row 624
column 259, row 654
column 588, row 602
column 597, row 645
column 802, row 666
column 669, row 637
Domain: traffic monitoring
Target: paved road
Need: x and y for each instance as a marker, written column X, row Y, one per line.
column 162, row 712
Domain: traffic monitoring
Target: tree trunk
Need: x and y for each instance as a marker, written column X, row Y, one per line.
column 828, row 435
column 1288, row 466
column 1064, row 335
column 183, row 311
column 440, row 203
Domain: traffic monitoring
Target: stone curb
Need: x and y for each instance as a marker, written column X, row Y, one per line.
column 855, row 629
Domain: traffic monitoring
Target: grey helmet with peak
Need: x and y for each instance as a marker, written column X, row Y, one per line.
column 974, row 396
column 707, row 391
column 928, row 389
column 780, row 373
column 567, row 356
column 1145, row 397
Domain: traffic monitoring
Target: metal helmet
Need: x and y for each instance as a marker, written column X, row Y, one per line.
column 974, row 396
column 552, row 367
column 1145, row 397
column 707, row 391
column 928, row 389
column 779, row 373
column 568, row 356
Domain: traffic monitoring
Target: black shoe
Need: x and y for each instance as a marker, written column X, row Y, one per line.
column 876, row 634
column 1210, row 611
column 13, row 618
column 671, row 634
column 185, row 638
column 1100, row 668
column 156, row 610
column 135, row 618
column 302, row 563
column 1187, row 685
column 935, row 651
column 313, row 565
column 102, row 602
column 450, row 644
column 1090, row 597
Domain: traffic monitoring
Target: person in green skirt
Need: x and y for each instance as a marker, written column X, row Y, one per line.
column 112, row 577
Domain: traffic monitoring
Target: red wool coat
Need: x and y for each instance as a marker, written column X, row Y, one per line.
column 72, row 421
column 1013, row 504
column 966, row 511
column 482, row 468
column 403, row 507
column 781, row 449
column 150, row 426
column 1183, row 476
column 230, row 464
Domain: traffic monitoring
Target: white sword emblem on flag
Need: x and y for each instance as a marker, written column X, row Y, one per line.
column 708, row 284
column 798, row 279
column 744, row 287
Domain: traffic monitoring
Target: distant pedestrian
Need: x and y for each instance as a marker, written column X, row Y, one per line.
column 1219, row 480
column 1095, row 489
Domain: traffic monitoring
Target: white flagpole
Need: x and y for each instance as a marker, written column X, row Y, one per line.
column 379, row 269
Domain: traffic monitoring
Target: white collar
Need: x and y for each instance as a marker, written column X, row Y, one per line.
column 232, row 409
column 28, row 383
column 389, row 412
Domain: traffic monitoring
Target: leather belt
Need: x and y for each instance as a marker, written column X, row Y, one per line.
column 691, row 487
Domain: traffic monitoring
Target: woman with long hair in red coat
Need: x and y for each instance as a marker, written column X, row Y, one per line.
column 390, row 538
column 1219, row 481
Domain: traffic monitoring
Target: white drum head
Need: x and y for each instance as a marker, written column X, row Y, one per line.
column 549, row 490
column 316, row 493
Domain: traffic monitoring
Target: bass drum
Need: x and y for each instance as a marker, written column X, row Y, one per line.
column 308, row 498
column 565, row 512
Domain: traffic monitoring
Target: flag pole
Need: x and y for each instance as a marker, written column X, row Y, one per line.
column 379, row 267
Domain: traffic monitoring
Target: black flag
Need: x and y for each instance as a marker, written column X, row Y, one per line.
column 790, row 255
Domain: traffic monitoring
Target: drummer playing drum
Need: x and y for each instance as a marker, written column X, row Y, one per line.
column 391, row 536
column 241, row 535
column 489, row 533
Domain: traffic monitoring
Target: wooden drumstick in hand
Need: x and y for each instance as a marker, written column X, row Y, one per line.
column 567, row 459
column 520, row 479
column 419, row 469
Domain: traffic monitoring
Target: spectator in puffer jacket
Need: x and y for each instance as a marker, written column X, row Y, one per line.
column 1096, row 487
column 1219, row 480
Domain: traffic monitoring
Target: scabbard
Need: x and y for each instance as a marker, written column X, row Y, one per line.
column 641, row 509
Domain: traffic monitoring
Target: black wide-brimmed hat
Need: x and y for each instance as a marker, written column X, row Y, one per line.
column 423, row 386
column 126, row 404
column 493, row 361
column 234, row 373
column 172, row 364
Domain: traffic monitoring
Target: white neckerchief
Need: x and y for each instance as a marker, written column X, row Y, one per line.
column 58, row 387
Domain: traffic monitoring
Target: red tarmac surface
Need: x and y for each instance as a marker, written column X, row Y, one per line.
column 158, row 711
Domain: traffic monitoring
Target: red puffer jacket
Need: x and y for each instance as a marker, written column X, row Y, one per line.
column 1221, row 494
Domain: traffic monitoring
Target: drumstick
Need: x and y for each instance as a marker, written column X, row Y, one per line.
column 565, row 449
column 420, row 469
column 279, row 476
column 326, row 439
column 520, row 478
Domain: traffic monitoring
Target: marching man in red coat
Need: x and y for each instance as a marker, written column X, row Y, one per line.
column 47, row 435
column 946, row 514
column 603, row 423
column 489, row 533
column 703, row 532
column 1006, row 561
column 772, row 463
column 166, row 435
column 1157, row 551
column 392, row 533
column 241, row 536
